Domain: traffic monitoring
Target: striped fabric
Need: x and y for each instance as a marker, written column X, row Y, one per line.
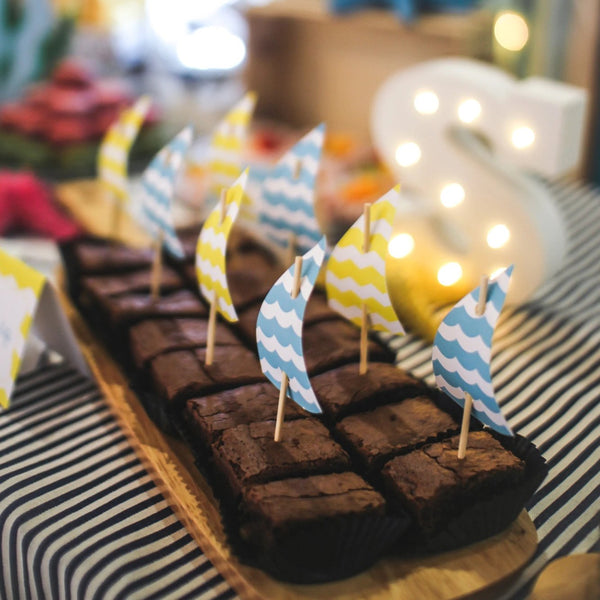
column 80, row 518
column 79, row 515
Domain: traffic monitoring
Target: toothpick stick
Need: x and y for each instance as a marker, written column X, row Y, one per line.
column 466, row 419
column 156, row 268
column 210, row 332
column 222, row 204
column 464, row 428
column 297, row 169
column 284, row 378
column 483, row 287
column 364, row 326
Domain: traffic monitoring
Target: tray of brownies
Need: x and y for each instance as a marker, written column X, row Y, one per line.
column 248, row 373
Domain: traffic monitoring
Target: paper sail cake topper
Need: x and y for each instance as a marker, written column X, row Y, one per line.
column 158, row 187
column 227, row 144
column 28, row 302
column 287, row 200
column 114, row 149
column 212, row 247
column 462, row 352
column 355, row 278
column 279, row 330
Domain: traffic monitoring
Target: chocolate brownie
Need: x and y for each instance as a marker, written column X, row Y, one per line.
column 344, row 390
column 209, row 416
column 331, row 344
column 434, row 486
column 183, row 374
column 392, row 429
column 94, row 257
column 126, row 309
column 152, row 337
column 247, row 455
column 275, row 508
column 136, row 281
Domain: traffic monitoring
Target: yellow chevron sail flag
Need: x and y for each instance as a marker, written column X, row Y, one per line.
column 355, row 278
column 114, row 149
column 20, row 290
column 227, row 144
column 212, row 246
column 226, row 152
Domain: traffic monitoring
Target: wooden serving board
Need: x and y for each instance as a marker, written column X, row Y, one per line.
column 446, row 576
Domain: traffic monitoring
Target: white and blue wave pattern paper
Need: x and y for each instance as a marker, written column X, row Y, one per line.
column 279, row 330
column 287, row 201
column 158, row 187
column 462, row 353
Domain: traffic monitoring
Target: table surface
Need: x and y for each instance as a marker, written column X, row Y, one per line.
column 81, row 518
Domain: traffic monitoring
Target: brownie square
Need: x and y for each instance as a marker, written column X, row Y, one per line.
column 183, row 374
column 274, row 509
column 247, row 454
column 150, row 338
column 209, row 416
column 317, row 528
column 98, row 257
column 331, row 344
column 344, row 390
column 136, row 281
column 127, row 309
column 434, row 486
column 391, row 429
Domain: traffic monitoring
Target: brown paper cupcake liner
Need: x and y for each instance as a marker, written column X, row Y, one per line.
column 324, row 551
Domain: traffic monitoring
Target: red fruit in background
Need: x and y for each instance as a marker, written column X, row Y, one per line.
column 26, row 204
column 72, row 73
column 71, row 101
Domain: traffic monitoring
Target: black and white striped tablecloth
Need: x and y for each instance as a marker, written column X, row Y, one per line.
column 80, row 517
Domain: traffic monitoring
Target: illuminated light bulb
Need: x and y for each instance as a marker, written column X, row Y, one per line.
column 401, row 245
column 522, row 137
column 211, row 48
column 408, row 154
column 449, row 273
column 511, row 31
column 426, row 103
column 498, row 236
column 469, row 110
column 452, row 195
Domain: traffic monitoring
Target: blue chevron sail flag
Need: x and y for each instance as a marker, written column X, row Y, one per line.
column 287, row 197
column 279, row 330
column 462, row 351
column 158, row 188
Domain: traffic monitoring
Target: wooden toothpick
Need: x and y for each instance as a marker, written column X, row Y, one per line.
column 464, row 428
column 210, row 332
column 156, row 268
column 284, row 378
column 466, row 419
column 212, row 315
column 364, row 326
